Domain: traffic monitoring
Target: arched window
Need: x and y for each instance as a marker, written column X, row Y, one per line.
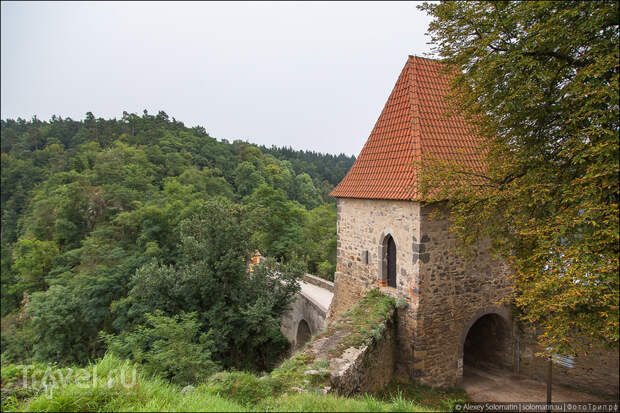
column 389, row 261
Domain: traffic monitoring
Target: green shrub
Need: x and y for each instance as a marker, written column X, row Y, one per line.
column 241, row 387
column 14, row 373
column 16, row 339
column 366, row 321
column 10, row 374
column 170, row 347
column 326, row 270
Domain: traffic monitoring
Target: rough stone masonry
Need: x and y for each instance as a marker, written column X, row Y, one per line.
column 445, row 292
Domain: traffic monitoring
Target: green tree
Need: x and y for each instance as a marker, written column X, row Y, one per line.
column 110, row 195
column 171, row 347
column 306, row 192
column 279, row 175
column 277, row 223
column 539, row 82
column 239, row 312
column 60, row 332
column 320, row 240
column 247, row 178
column 10, row 292
column 207, row 181
column 33, row 261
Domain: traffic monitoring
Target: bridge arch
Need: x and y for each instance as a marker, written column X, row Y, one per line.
column 307, row 313
column 303, row 334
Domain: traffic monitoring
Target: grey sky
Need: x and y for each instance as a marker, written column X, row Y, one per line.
column 309, row 75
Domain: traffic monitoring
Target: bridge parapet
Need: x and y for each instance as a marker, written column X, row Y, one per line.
column 319, row 282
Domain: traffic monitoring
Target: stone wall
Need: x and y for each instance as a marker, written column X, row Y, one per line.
column 597, row 371
column 319, row 282
column 367, row 369
column 445, row 291
column 454, row 293
column 362, row 225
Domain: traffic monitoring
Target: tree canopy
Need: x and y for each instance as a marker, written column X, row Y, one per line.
column 539, row 83
column 99, row 214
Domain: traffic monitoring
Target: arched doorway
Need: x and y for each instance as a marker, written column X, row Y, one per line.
column 487, row 344
column 303, row 334
column 389, row 261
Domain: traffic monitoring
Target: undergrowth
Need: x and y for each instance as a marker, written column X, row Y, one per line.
column 233, row 391
column 300, row 383
column 426, row 396
column 365, row 322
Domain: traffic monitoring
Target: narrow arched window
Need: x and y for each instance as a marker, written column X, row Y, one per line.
column 390, row 260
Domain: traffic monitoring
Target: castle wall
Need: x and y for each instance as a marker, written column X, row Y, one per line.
column 455, row 292
column 446, row 294
column 597, row 371
column 362, row 225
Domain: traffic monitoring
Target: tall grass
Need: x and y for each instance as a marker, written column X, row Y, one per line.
column 110, row 385
column 238, row 392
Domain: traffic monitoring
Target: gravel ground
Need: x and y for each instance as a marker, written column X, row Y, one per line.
column 502, row 386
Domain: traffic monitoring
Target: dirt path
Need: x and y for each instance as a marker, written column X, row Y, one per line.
column 502, row 386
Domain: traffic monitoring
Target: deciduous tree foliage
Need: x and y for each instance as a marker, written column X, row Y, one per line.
column 87, row 207
column 171, row 347
column 239, row 312
column 539, row 83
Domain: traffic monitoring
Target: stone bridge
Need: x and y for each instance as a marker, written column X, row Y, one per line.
column 308, row 312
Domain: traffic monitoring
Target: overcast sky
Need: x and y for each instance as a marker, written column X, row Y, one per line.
column 309, row 75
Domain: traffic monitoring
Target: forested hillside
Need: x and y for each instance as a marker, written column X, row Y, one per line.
column 105, row 221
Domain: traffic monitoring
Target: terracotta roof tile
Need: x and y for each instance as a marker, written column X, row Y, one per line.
column 416, row 122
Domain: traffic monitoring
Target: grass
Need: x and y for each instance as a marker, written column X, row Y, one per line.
column 111, row 385
column 298, row 374
column 365, row 322
column 303, row 372
column 14, row 390
column 106, row 390
column 313, row 402
column 426, row 396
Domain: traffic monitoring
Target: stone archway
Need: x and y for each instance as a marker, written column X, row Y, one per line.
column 486, row 344
column 303, row 334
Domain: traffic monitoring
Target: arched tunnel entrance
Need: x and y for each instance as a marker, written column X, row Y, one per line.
column 303, row 334
column 487, row 345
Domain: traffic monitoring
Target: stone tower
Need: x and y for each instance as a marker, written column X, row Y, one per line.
column 386, row 239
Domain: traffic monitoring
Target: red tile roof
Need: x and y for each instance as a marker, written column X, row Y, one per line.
column 416, row 123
